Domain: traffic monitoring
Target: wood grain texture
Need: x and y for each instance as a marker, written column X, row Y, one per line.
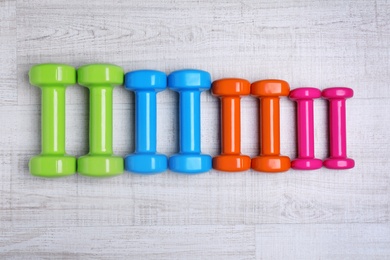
column 8, row 89
column 215, row 215
column 124, row 242
column 323, row 241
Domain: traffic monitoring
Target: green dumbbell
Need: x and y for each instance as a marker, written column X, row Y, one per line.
column 100, row 79
column 52, row 79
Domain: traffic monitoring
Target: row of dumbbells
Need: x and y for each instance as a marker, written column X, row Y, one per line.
column 100, row 79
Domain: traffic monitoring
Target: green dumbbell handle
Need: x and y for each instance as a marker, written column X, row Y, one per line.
column 53, row 120
column 100, row 125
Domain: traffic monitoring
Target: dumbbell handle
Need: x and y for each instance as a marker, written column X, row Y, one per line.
column 53, row 119
column 145, row 122
column 100, row 125
column 270, row 126
column 337, row 126
column 189, row 114
column 230, row 107
column 305, row 128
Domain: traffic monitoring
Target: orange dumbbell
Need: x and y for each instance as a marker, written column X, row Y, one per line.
column 270, row 160
column 230, row 159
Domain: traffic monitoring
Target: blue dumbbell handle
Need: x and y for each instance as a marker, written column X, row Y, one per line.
column 189, row 114
column 145, row 122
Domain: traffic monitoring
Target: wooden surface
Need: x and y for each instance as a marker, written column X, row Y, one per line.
column 320, row 214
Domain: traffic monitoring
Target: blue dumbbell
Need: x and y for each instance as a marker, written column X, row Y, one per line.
column 145, row 84
column 189, row 84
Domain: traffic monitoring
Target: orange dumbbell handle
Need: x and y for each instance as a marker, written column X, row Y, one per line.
column 269, row 126
column 231, row 132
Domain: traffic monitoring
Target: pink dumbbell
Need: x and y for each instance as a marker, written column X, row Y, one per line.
column 337, row 128
column 305, row 128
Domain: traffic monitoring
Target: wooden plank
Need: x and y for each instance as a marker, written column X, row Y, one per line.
column 6, row 165
column 323, row 241
column 124, row 242
column 8, row 89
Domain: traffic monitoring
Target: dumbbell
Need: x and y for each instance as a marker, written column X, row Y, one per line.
column 189, row 83
column 305, row 128
column 229, row 91
column 145, row 84
column 52, row 79
column 269, row 91
column 100, row 79
column 337, row 128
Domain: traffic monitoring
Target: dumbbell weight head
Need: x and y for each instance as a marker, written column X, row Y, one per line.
column 100, row 74
column 189, row 79
column 304, row 93
column 337, row 93
column 270, row 88
column 144, row 80
column 52, row 74
column 234, row 87
column 50, row 166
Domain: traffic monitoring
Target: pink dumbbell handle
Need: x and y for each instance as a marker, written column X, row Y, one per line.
column 305, row 128
column 337, row 126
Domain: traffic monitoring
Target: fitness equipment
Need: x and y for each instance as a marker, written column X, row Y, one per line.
column 337, row 128
column 100, row 162
column 145, row 84
column 268, row 92
column 189, row 83
column 52, row 79
column 305, row 128
column 100, row 79
column 229, row 90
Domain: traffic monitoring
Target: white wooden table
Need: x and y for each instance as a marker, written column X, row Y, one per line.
column 320, row 214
